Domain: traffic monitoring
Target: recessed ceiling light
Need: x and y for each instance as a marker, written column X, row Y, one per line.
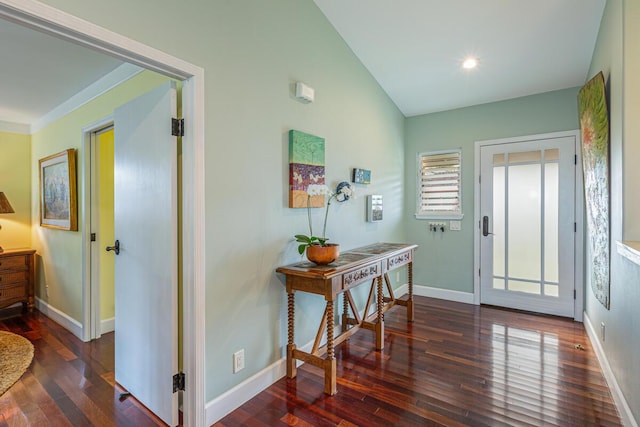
column 469, row 63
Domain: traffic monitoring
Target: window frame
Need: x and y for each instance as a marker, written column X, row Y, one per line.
column 437, row 215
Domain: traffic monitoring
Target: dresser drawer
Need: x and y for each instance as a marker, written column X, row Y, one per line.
column 13, row 277
column 17, row 262
column 15, row 292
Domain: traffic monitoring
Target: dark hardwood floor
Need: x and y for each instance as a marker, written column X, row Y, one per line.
column 457, row 364
column 69, row 383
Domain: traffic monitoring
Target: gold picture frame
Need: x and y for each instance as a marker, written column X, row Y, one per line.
column 58, row 195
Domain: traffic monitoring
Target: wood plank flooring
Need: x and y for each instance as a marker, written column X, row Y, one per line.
column 456, row 365
column 69, row 383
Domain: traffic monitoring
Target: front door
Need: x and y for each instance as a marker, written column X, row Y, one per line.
column 527, row 225
column 145, row 206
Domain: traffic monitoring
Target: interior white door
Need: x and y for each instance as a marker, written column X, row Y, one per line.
column 527, row 225
column 145, row 205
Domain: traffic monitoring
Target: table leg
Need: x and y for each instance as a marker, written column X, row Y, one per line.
column 330, row 387
column 291, row 346
column 345, row 311
column 410, row 301
column 380, row 322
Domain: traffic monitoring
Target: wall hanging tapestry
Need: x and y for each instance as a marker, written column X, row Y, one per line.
column 306, row 167
column 594, row 127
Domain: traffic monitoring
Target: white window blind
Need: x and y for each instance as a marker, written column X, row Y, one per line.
column 439, row 185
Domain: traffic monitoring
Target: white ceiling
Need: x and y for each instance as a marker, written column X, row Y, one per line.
column 40, row 72
column 415, row 48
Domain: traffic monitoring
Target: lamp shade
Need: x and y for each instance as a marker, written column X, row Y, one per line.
column 5, row 206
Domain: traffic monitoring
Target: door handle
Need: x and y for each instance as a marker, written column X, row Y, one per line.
column 115, row 248
column 485, row 226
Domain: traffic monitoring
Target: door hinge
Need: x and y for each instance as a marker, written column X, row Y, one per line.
column 574, row 294
column 93, row 237
column 178, row 382
column 177, row 127
column 575, row 227
column 575, row 159
column 479, row 179
column 478, row 272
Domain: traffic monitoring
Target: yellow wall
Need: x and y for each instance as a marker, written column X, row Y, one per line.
column 15, row 182
column 59, row 275
column 106, row 234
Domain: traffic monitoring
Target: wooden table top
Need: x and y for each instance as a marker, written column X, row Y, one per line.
column 347, row 260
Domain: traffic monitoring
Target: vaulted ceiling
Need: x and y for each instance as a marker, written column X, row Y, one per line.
column 413, row 48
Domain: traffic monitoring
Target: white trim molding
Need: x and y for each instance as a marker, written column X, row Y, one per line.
column 11, row 127
column 618, row 398
column 61, row 318
column 107, row 325
column 118, row 76
column 439, row 293
column 629, row 250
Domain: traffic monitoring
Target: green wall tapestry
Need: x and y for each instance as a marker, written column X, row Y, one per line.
column 306, row 167
column 594, row 127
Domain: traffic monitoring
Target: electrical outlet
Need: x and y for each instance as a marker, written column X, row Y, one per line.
column 238, row 360
column 455, row 225
column 437, row 226
column 397, row 277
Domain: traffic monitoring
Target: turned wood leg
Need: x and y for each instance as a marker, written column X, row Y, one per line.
column 345, row 311
column 330, row 361
column 291, row 346
column 380, row 322
column 410, row 302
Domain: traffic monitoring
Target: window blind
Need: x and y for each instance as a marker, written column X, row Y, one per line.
column 439, row 183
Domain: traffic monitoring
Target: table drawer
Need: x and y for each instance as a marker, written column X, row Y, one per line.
column 13, row 292
column 18, row 262
column 361, row 274
column 13, row 277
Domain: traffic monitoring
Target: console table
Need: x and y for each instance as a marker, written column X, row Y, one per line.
column 369, row 264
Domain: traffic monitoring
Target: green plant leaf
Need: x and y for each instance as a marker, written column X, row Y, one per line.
column 301, row 248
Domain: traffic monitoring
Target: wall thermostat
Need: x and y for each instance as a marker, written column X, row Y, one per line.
column 374, row 208
column 304, row 92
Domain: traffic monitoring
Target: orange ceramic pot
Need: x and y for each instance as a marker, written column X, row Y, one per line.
column 323, row 255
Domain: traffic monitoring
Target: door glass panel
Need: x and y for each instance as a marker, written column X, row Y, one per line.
column 498, row 222
column 498, row 283
column 551, row 222
column 524, row 222
column 528, row 287
column 525, row 156
column 551, row 290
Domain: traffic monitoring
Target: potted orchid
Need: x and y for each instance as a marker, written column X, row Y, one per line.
column 317, row 248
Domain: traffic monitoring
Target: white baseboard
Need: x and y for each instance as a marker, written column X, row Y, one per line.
column 107, row 325
column 439, row 293
column 62, row 319
column 222, row 405
column 616, row 392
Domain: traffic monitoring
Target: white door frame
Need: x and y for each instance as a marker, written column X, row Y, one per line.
column 92, row 325
column 579, row 215
column 44, row 18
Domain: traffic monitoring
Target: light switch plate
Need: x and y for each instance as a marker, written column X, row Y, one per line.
column 455, row 225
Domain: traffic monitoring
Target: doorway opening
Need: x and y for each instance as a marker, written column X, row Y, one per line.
column 67, row 27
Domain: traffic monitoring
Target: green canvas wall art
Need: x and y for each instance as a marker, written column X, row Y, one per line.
column 306, row 167
column 594, row 127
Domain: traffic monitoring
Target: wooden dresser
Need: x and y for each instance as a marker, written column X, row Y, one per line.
column 17, row 278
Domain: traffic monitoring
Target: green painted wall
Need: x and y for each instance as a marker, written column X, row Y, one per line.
column 253, row 52
column 60, row 266
column 445, row 260
column 616, row 55
column 15, row 182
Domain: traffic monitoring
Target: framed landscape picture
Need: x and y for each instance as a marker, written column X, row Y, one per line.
column 58, row 196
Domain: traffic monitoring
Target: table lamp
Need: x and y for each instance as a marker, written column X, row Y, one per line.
column 5, row 208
